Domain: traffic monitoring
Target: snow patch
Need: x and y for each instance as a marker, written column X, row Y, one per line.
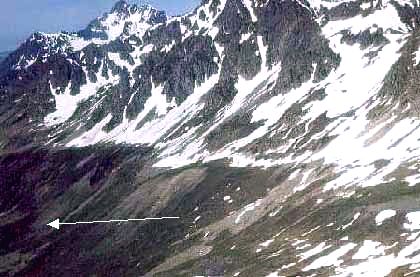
column 413, row 221
column 332, row 259
column 248, row 208
column 384, row 215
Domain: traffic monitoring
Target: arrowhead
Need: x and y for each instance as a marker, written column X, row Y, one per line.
column 55, row 224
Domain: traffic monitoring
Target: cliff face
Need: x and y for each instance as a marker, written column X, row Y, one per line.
column 284, row 134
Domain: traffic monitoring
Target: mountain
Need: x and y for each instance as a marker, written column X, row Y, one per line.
column 284, row 134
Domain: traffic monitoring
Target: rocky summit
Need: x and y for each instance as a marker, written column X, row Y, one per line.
column 284, row 134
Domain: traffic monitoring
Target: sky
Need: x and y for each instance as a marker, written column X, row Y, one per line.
column 20, row 18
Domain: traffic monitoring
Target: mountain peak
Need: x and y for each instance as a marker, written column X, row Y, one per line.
column 112, row 24
column 124, row 7
column 120, row 6
column 148, row 13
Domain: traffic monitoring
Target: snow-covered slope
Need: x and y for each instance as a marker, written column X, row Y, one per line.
column 325, row 91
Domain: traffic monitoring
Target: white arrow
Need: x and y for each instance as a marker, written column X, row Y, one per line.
column 56, row 223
